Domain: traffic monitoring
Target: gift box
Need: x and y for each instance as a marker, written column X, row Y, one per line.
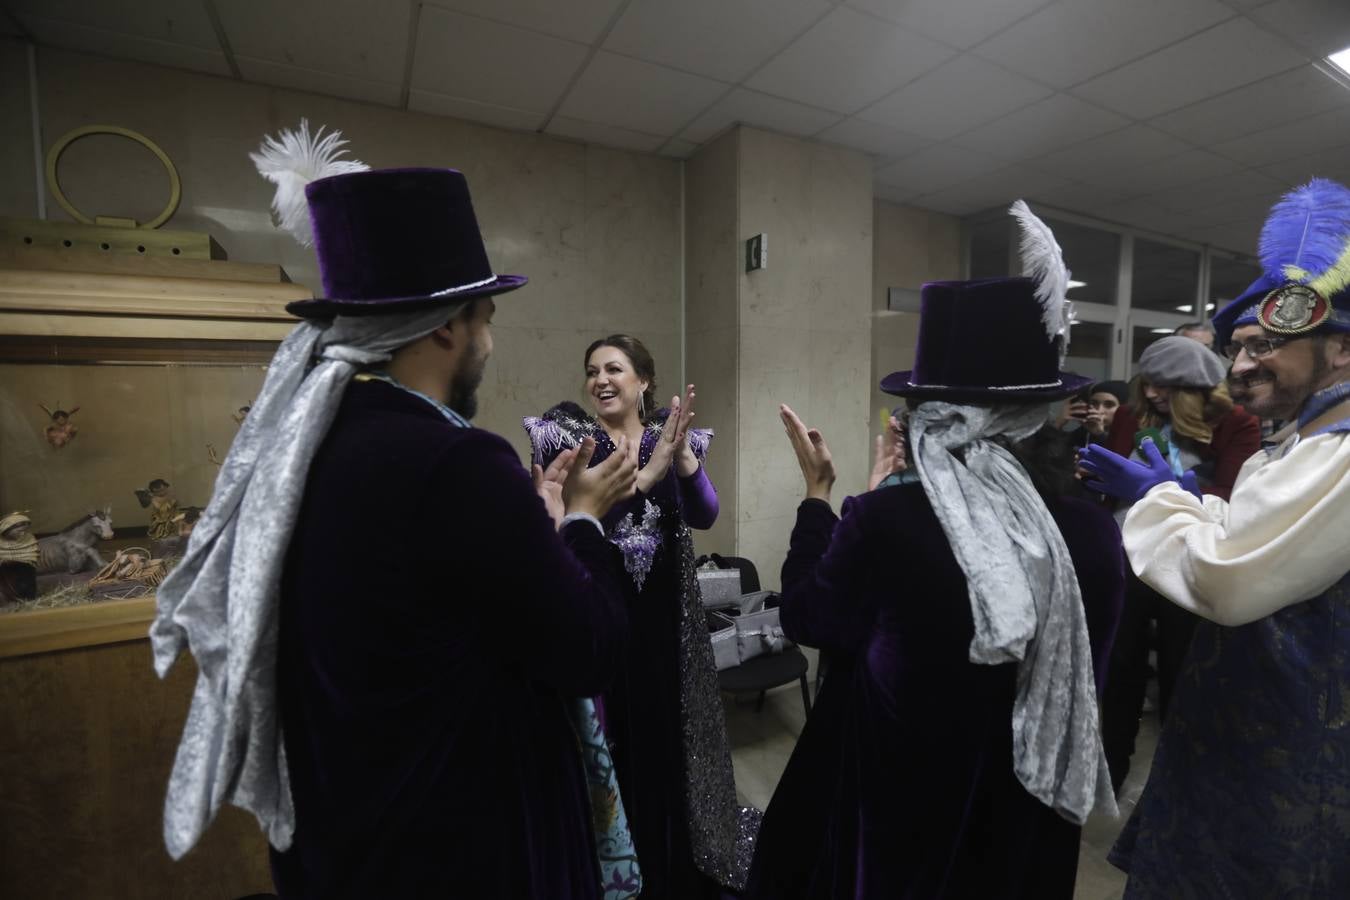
column 719, row 587
column 722, row 633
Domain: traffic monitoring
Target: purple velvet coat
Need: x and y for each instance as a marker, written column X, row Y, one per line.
column 432, row 624
column 901, row 785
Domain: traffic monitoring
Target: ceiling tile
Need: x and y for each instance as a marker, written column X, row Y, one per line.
column 1113, row 152
column 1304, row 91
column 1224, row 57
column 639, row 96
column 961, row 23
column 1147, row 213
column 752, row 108
column 267, row 72
column 848, row 61
column 1333, row 163
column 367, row 41
column 607, row 135
column 1240, row 237
column 870, row 137
column 169, row 21
column 935, row 167
column 893, row 194
column 577, row 20
column 1067, row 43
column 956, row 96
column 459, row 108
column 712, row 37
column 678, row 149
column 1241, row 209
column 1319, row 27
column 989, row 189
column 1078, row 197
column 1164, row 174
column 55, row 33
column 1042, row 128
column 1199, row 196
column 460, row 56
column 1291, row 140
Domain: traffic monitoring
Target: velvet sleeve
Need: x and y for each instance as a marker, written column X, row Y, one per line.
column 1236, row 439
column 824, row 602
column 558, row 597
column 698, row 499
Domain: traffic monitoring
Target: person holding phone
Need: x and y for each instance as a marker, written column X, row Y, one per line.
column 1180, row 402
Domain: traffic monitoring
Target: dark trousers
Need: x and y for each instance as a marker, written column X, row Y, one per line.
column 1127, row 677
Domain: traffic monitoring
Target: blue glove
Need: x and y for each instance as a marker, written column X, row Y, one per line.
column 1114, row 475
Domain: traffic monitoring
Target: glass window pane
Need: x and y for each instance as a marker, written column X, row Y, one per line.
column 1093, row 256
column 1228, row 278
column 1143, row 336
column 1090, row 349
column 989, row 249
column 1166, row 278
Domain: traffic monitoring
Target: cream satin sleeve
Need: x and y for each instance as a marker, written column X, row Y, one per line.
column 1281, row 539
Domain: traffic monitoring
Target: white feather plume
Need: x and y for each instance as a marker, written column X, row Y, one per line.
column 292, row 160
column 1043, row 261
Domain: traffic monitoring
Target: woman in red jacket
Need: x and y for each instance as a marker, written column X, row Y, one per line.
column 1180, row 399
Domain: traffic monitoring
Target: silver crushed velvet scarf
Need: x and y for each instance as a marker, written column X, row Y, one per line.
column 1024, row 596
column 221, row 601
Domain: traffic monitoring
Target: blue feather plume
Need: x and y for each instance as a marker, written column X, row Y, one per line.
column 1307, row 232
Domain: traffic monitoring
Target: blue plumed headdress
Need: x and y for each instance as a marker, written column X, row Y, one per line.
column 1305, row 258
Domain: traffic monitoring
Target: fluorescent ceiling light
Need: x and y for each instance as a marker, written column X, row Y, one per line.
column 1076, row 284
column 1186, row 308
column 1341, row 60
column 1161, row 331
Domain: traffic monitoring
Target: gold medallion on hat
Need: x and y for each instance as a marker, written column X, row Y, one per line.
column 1293, row 309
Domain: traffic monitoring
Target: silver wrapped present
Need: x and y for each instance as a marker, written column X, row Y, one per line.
column 722, row 633
column 758, row 628
column 719, row 587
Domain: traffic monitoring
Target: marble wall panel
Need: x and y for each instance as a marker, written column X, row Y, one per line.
column 911, row 246
column 596, row 230
column 712, row 341
column 805, row 326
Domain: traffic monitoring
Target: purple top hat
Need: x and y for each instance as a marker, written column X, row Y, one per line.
column 983, row 341
column 395, row 240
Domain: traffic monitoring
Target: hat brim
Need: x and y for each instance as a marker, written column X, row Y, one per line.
column 322, row 308
column 897, row 385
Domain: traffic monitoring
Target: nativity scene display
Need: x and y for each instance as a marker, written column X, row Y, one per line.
column 107, row 516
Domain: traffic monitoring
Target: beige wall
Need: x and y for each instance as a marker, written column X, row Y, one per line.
column 597, row 230
column 796, row 332
column 911, row 246
column 712, row 316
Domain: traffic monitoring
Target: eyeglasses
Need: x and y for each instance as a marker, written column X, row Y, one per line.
column 1258, row 348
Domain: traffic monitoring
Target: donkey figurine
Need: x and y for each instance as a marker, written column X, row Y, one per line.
column 72, row 550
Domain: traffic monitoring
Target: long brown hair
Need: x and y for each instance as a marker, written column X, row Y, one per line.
column 1194, row 411
column 639, row 356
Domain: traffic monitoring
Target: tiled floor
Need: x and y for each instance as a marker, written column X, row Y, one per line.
column 761, row 743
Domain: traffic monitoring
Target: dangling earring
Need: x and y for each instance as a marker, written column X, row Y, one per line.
column 642, row 408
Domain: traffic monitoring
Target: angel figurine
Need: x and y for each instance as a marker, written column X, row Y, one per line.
column 61, row 431
column 158, row 496
column 240, row 414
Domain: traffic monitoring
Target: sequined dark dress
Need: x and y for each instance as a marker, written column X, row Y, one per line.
column 663, row 713
column 902, row 784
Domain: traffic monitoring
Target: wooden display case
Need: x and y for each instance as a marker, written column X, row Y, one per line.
column 157, row 353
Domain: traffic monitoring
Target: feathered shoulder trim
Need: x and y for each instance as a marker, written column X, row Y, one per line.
column 561, row 428
column 565, row 425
